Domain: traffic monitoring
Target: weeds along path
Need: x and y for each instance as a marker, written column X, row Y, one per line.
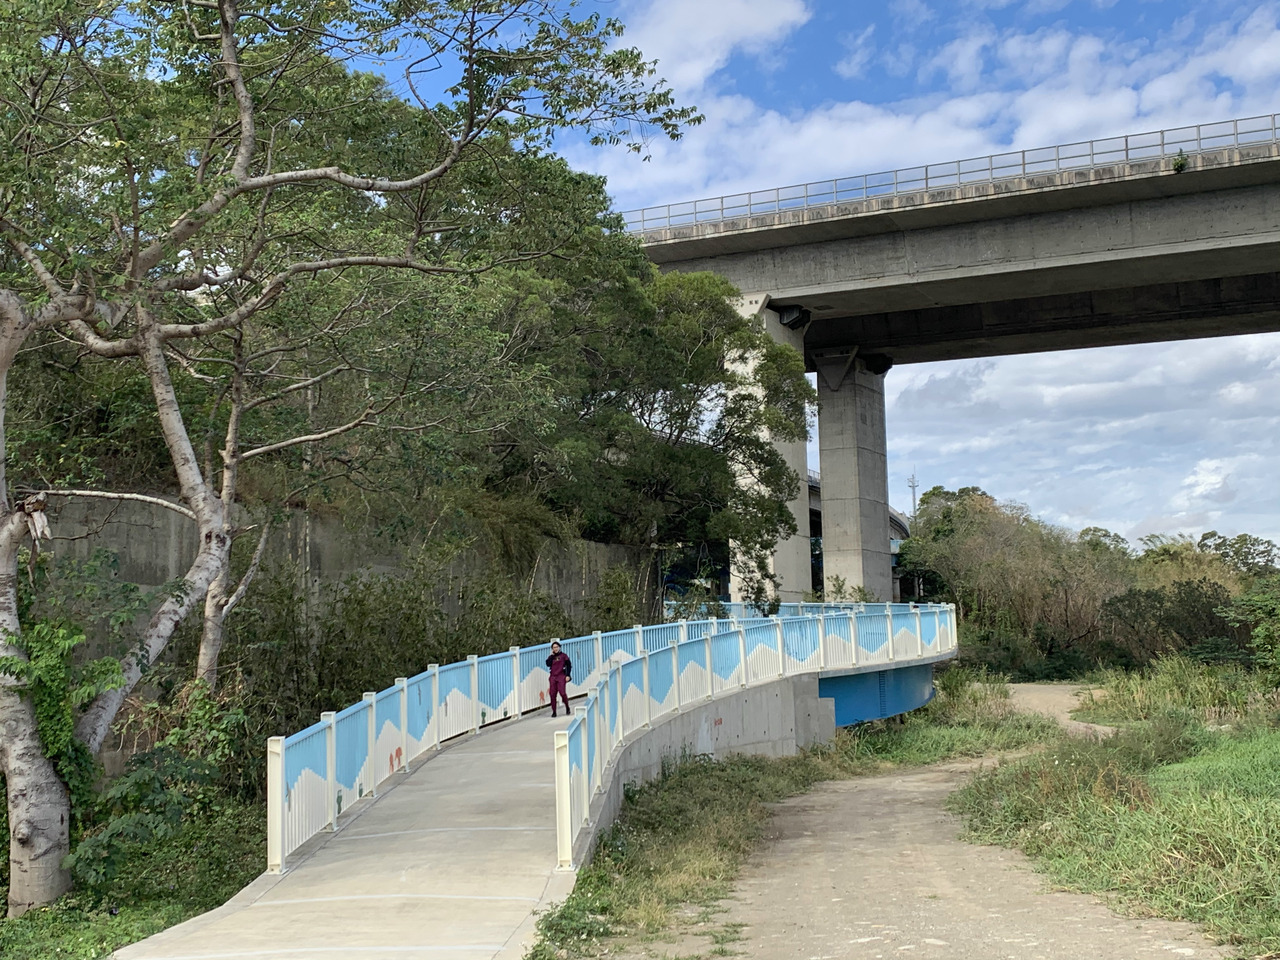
column 874, row 868
column 1055, row 700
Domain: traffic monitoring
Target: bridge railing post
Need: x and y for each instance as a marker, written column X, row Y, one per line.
column 782, row 647
column 403, row 684
column 599, row 650
column 517, row 706
column 584, row 784
column 711, row 673
column 275, row 805
column 675, row 670
column 888, row 625
column 434, row 719
column 915, row 608
column 474, row 662
column 602, row 732
column 648, row 699
column 371, row 707
column 331, row 770
column 639, row 632
column 564, row 815
column 822, row 641
column 742, row 654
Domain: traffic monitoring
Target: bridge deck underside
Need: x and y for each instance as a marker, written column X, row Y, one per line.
column 1184, row 310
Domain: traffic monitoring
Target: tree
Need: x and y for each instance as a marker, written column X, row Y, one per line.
column 664, row 432
column 173, row 176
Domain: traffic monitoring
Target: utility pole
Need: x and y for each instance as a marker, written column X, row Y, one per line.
column 914, row 484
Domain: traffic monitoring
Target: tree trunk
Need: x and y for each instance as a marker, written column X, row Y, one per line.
column 39, row 808
column 212, row 631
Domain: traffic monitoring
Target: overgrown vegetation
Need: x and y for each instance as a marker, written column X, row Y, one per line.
column 681, row 839
column 1178, row 814
column 1038, row 601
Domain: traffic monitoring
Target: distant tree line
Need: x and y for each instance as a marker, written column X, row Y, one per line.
column 1041, row 601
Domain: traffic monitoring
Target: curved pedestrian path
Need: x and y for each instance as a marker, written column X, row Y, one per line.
column 451, row 861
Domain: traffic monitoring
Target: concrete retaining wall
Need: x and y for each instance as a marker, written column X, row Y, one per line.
column 772, row 720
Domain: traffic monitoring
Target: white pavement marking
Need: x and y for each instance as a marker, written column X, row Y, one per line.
column 403, row 833
column 390, row 896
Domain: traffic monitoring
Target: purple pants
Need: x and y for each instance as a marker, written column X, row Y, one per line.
column 558, row 686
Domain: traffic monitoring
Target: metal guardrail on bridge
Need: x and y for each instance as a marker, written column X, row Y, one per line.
column 1013, row 165
column 629, row 677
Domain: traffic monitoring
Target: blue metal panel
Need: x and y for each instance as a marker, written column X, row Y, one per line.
column 800, row 637
column 420, row 707
column 725, row 655
column 692, row 652
column 661, row 675
column 860, row 697
column 615, row 640
column 305, row 750
column 873, row 632
column 495, row 681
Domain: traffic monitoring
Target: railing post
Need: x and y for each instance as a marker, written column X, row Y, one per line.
column 742, row 653
column 675, row 670
column 584, row 792
column 852, row 617
column 888, row 625
column 515, row 681
column 684, row 630
column 822, row 641
column 648, row 700
column 434, row 720
column 711, row 673
column 782, row 647
column 275, row 805
column 915, row 608
column 403, row 684
column 639, row 637
column 372, row 700
column 564, row 815
column 599, row 648
column 474, row 662
column 331, row 769
column 602, row 731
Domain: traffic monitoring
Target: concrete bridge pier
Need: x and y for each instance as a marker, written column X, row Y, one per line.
column 792, row 562
column 852, row 449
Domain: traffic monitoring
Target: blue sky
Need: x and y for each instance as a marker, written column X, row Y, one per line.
column 1153, row 438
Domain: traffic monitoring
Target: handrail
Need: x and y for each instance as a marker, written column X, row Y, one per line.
column 317, row 773
column 996, row 168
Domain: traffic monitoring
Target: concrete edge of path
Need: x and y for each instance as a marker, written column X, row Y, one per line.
column 262, row 884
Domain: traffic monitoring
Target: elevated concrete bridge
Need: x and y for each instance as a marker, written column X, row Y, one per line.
column 1161, row 236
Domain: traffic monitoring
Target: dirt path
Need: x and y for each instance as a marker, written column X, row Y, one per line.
column 1055, row 700
column 873, row 868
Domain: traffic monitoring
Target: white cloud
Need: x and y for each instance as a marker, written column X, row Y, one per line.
column 860, row 51
column 693, row 40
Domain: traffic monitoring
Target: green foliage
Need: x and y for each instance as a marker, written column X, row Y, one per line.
column 59, row 686
column 1259, row 609
column 159, row 883
column 149, row 803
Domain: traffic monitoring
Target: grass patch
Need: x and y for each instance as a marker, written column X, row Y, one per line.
column 1212, row 695
column 162, row 884
column 1170, row 816
column 680, row 841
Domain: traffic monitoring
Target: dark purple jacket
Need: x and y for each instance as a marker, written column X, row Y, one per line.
column 560, row 665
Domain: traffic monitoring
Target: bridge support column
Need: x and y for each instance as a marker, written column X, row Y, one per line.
column 792, row 558
column 852, row 448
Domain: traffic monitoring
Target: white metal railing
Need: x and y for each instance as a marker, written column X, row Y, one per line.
column 317, row 773
column 1013, row 165
column 709, row 658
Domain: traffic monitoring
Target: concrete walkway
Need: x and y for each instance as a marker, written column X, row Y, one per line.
column 450, row 863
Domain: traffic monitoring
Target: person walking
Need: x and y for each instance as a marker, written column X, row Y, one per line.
column 561, row 669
